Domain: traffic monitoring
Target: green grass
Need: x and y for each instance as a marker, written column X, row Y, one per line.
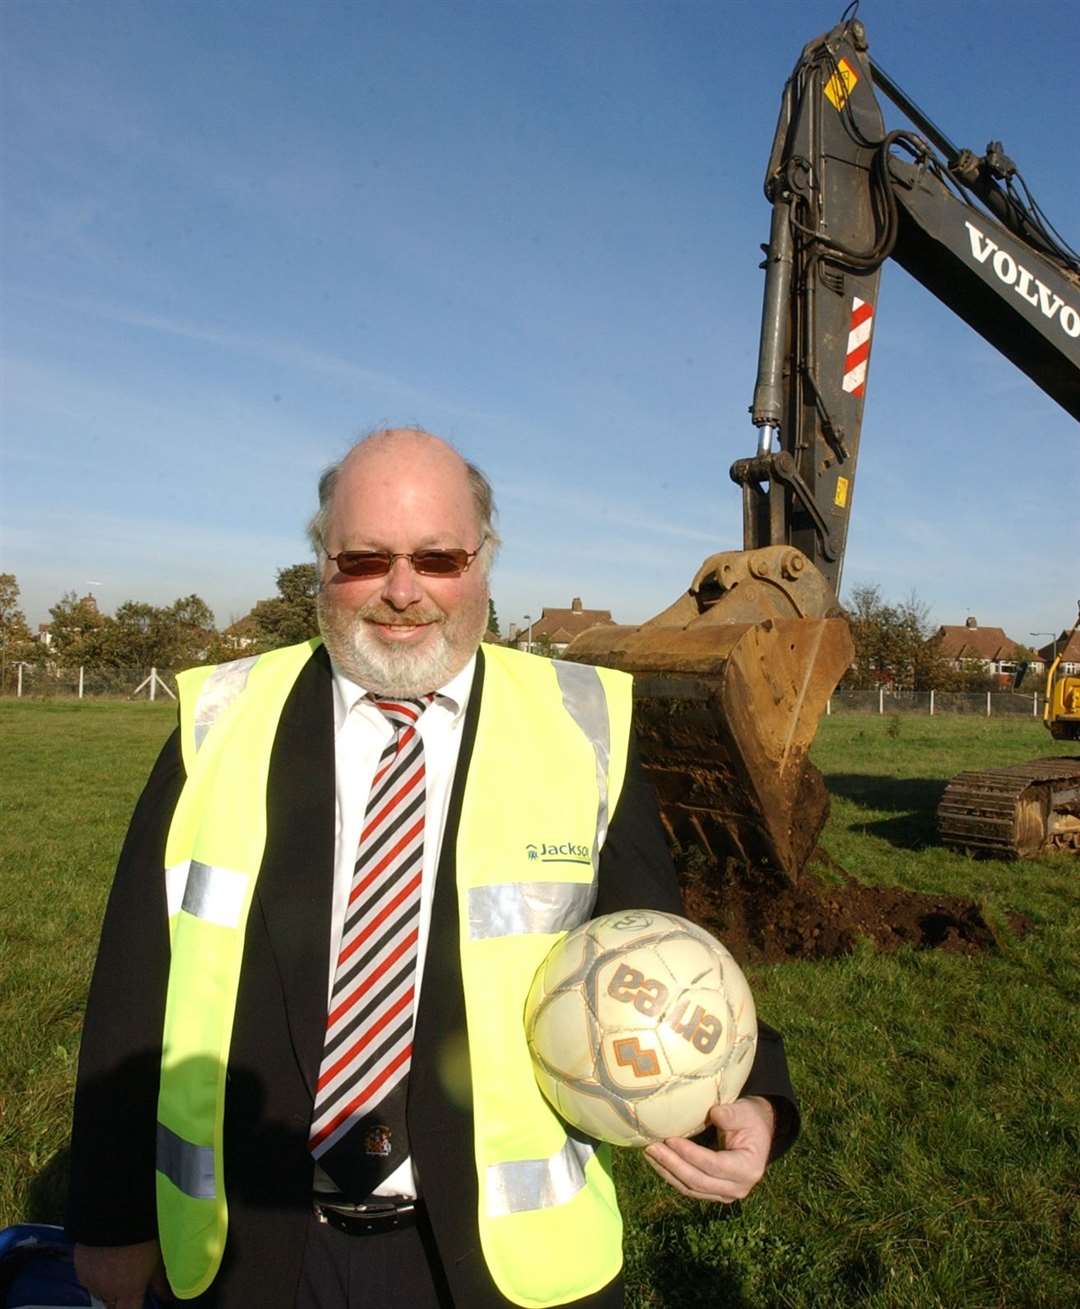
column 937, row 1165
column 72, row 771
column 938, row 1161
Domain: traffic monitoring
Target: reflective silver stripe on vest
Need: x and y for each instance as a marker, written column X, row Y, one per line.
column 176, row 885
column 537, row 1183
column 218, row 692
column 215, row 894
column 512, row 908
column 189, row 1167
column 585, row 702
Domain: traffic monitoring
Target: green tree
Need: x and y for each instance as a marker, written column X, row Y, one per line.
column 892, row 644
column 970, row 675
column 137, row 637
column 290, row 616
column 493, row 619
column 75, row 629
column 193, row 632
column 131, row 639
column 170, row 636
column 16, row 642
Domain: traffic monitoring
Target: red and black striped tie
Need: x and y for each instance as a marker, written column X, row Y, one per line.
column 358, row 1128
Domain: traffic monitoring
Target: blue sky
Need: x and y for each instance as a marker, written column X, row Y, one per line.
column 236, row 234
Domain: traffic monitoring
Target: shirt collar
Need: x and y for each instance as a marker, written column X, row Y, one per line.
column 453, row 695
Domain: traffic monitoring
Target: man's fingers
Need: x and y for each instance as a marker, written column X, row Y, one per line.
column 725, row 1175
column 694, row 1184
column 731, row 1173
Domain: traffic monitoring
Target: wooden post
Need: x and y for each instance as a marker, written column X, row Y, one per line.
column 153, row 682
column 931, row 702
column 80, row 681
column 19, row 692
column 988, row 704
column 881, row 700
column 828, row 707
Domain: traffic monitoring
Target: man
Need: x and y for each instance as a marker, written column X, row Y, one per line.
column 297, row 789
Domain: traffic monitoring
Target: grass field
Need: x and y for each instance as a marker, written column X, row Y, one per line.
column 938, row 1163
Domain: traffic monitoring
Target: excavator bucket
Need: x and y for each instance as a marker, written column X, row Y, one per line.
column 729, row 687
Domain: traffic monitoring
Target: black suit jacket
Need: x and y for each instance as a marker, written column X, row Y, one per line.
column 281, row 1015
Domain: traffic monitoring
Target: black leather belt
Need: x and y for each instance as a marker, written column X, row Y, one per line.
column 366, row 1219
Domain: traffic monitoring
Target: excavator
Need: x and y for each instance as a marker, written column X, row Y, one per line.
column 1027, row 809
column 731, row 680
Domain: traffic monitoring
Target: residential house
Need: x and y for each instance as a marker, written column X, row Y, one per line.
column 1068, row 646
column 241, row 634
column 556, row 628
column 989, row 647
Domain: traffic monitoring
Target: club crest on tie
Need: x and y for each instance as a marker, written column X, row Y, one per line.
column 377, row 1141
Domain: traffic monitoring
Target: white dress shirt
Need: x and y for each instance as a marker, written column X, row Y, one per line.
column 361, row 733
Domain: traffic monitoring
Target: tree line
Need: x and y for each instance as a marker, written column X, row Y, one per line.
column 140, row 636
column 896, row 647
column 894, row 643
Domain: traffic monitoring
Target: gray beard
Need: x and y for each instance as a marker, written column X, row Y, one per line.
column 390, row 670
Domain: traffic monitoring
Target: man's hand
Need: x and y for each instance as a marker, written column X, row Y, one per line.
column 120, row 1275
column 730, row 1172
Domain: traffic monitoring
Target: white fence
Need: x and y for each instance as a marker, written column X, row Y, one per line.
column 25, row 679
column 126, row 683
column 986, row 704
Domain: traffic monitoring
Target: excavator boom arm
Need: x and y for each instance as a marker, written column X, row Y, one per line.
column 846, row 196
column 734, row 676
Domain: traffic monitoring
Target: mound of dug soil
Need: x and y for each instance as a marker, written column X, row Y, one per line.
column 763, row 918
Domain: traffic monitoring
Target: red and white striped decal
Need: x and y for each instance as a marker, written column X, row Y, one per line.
column 858, row 346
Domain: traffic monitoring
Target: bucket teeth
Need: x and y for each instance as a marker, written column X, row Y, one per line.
column 725, row 715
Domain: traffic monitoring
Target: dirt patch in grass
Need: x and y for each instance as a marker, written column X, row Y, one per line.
column 763, row 918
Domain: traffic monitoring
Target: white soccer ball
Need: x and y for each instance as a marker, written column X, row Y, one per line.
column 638, row 1023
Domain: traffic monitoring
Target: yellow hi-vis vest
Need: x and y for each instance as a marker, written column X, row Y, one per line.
column 545, row 775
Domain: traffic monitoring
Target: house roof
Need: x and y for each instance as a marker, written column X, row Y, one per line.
column 989, row 643
column 1068, row 646
column 562, row 625
column 245, row 626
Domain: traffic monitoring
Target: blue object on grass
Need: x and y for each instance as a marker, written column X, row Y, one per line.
column 36, row 1270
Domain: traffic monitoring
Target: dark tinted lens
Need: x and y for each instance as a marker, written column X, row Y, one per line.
column 440, row 563
column 364, row 563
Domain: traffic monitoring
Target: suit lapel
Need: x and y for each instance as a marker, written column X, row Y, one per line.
column 295, row 886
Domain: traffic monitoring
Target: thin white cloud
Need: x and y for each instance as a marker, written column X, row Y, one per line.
column 593, row 514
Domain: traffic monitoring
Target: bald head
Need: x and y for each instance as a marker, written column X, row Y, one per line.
column 401, row 493
column 382, row 455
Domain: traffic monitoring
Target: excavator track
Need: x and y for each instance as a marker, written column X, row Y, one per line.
column 1014, row 813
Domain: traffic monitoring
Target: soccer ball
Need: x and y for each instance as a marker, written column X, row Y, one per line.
column 638, row 1023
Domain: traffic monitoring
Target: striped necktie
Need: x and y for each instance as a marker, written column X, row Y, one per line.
column 358, row 1127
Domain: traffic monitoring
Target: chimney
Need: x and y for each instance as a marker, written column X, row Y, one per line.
column 575, row 604
column 972, row 622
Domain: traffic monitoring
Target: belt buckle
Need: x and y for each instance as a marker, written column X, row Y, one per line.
column 365, row 1219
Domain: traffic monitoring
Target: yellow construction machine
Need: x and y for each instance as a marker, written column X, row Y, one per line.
column 1027, row 809
column 1061, row 713
column 732, row 679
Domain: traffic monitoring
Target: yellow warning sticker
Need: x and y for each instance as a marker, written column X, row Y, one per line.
column 840, row 498
column 841, row 84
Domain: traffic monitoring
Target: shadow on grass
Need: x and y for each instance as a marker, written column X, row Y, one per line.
column 914, row 801
column 47, row 1193
column 687, row 1263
